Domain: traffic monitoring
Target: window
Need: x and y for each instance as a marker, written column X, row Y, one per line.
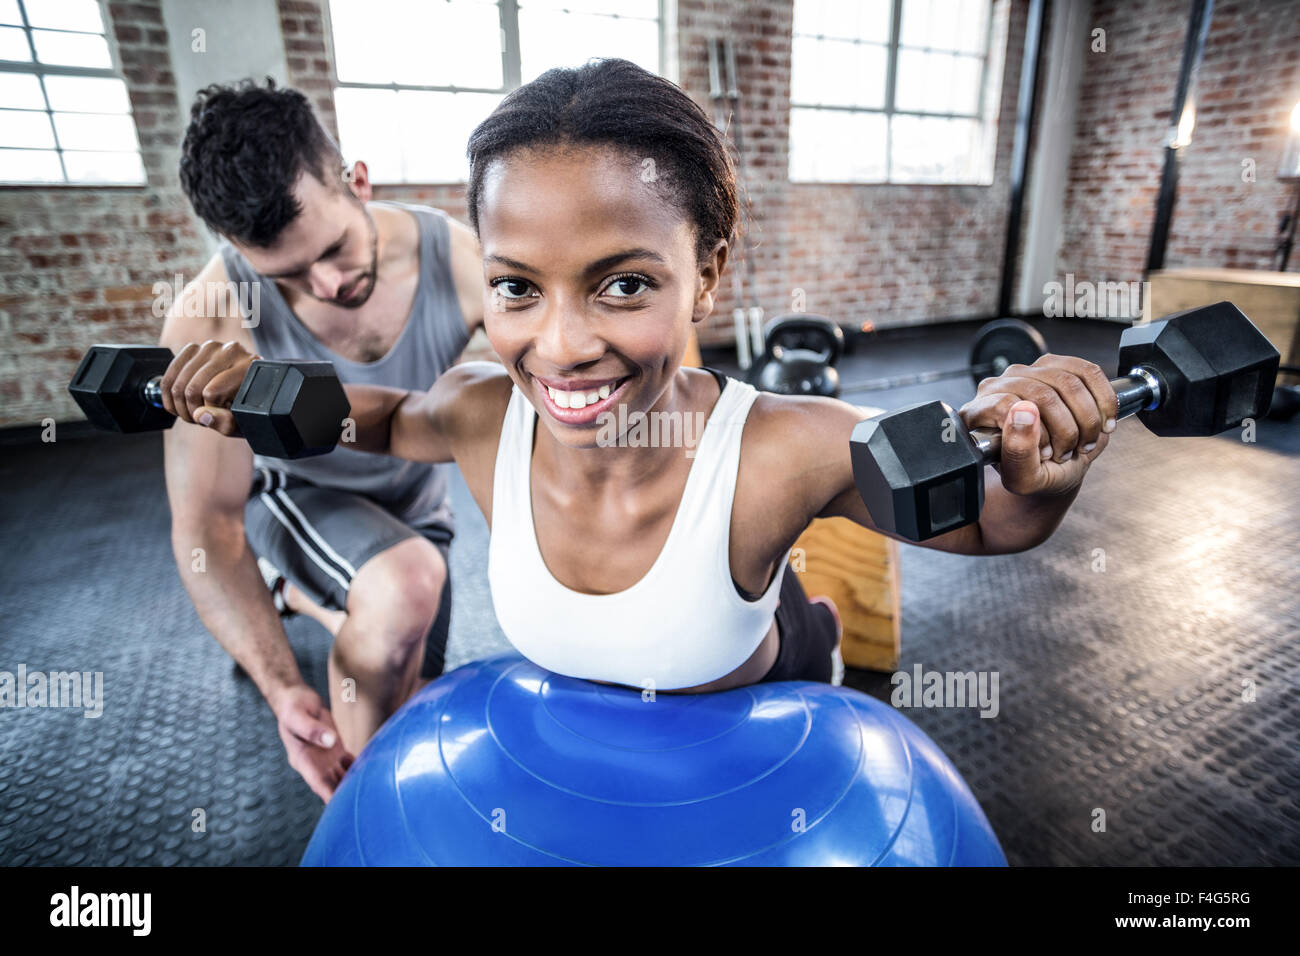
column 64, row 113
column 893, row 91
column 416, row 76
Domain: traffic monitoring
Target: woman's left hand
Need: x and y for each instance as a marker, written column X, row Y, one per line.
column 1055, row 417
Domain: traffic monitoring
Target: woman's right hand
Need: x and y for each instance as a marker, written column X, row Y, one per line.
column 201, row 383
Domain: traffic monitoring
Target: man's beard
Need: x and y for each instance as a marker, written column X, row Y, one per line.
column 365, row 284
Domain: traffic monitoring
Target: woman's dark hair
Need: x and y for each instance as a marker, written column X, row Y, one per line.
column 617, row 103
column 245, row 148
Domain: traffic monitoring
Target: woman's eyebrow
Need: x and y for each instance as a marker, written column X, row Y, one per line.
column 600, row 265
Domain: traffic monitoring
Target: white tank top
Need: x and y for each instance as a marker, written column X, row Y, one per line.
column 684, row 623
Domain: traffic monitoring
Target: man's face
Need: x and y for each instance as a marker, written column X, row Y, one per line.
column 330, row 250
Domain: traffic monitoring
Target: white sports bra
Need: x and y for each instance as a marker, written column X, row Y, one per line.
column 681, row 625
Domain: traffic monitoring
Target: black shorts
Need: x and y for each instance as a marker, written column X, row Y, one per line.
column 806, row 633
column 318, row 537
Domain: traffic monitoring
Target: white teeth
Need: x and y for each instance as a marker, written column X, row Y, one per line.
column 578, row 399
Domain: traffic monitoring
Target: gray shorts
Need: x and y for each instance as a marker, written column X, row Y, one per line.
column 318, row 538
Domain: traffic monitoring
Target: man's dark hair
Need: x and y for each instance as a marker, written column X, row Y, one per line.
column 244, row 150
column 617, row 103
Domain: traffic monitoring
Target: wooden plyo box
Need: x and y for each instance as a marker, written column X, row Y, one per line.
column 1269, row 299
column 858, row 570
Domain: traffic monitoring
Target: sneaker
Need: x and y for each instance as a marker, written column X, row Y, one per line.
column 275, row 582
column 837, row 667
column 837, row 659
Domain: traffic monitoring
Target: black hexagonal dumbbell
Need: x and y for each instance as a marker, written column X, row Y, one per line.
column 285, row 409
column 1199, row 372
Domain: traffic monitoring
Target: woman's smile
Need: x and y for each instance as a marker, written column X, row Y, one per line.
column 579, row 401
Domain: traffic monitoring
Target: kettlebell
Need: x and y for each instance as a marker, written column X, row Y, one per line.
column 799, row 356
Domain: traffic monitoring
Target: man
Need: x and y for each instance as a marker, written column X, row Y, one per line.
column 390, row 295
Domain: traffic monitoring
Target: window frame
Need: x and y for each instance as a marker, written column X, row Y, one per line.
column 889, row 109
column 41, row 70
column 511, row 66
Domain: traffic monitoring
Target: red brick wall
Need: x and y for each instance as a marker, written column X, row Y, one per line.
column 891, row 254
column 1249, row 81
column 310, row 64
column 78, row 263
column 888, row 254
column 309, row 57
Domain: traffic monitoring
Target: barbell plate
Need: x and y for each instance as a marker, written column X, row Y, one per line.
column 1001, row 343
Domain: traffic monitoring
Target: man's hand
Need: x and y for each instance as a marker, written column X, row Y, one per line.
column 311, row 740
column 1055, row 417
column 201, row 383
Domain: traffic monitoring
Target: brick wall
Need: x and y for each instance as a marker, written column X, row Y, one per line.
column 887, row 254
column 891, row 254
column 1249, row 81
column 78, row 264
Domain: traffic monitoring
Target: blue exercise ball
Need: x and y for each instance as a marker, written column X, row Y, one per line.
column 501, row 762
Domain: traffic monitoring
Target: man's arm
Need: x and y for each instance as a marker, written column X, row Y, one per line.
column 207, row 486
column 208, row 478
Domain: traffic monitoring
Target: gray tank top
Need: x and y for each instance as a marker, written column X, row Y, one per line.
column 432, row 339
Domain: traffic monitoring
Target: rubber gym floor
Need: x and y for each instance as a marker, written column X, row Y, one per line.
column 1163, row 690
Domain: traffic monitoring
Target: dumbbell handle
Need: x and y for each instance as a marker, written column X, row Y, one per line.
column 1137, row 391
column 152, row 391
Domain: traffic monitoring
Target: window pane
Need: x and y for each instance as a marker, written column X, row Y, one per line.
column 95, row 131
column 435, row 129
column 29, row 166
column 21, row 91
column 862, row 20
column 945, row 24
column 31, row 130
column 13, row 45
column 369, row 129
column 9, row 12
column 645, row 9
column 411, row 136
column 87, row 94
column 104, row 167
column 835, row 146
column 417, row 42
column 937, row 82
column 72, row 49
column 836, row 73
column 65, row 15
column 360, row 55
column 934, row 150
column 548, row 39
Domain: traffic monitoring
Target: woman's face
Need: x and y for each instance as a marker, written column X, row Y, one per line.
column 592, row 283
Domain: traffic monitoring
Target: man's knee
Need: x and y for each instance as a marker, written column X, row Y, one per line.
column 395, row 596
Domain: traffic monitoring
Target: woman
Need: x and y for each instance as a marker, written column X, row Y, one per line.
column 606, row 206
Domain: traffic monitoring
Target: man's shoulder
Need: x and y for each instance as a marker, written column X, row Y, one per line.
column 209, row 306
